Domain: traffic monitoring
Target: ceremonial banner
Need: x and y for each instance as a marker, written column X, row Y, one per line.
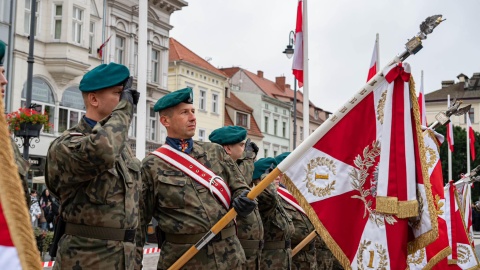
column 335, row 175
column 471, row 136
column 433, row 255
column 463, row 254
column 373, row 69
column 464, row 191
column 298, row 53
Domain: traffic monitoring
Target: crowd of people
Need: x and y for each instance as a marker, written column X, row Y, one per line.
column 43, row 210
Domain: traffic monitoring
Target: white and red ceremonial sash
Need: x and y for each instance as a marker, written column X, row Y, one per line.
column 8, row 253
column 288, row 197
column 373, row 69
column 396, row 193
column 335, row 170
column 463, row 253
column 197, row 171
column 434, row 255
column 297, row 65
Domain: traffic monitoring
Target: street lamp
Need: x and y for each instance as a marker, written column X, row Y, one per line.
column 289, row 52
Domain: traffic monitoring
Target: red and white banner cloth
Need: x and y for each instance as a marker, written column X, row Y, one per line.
column 8, row 253
column 471, row 137
column 463, row 253
column 334, row 175
column 298, row 52
column 464, row 191
column 373, row 69
column 434, row 255
column 450, row 140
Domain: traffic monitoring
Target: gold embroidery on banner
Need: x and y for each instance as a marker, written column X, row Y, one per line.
column 439, row 205
column 417, row 257
column 312, row 176
column 431, row 156
column 380, row 250
column 416, row 222
column 463, row 254
column 359, row 176
column 381, row 106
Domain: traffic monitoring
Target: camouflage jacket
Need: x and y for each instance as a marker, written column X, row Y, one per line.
column 306, row 257
column 277, row 226
column 96, row 177
column 183, row 206
column 23, row 167
column 325, row 258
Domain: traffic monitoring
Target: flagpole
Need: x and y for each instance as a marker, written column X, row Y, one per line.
column 448, row 146
column 104, row 24
column 304, row 242
column 306, row 100
column 142, row 79
column 377, row 44
column 468, row 142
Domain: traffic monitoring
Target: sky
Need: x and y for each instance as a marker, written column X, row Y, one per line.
column 252, row 34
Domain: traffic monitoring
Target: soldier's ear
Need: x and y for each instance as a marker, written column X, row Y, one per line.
column 165, row 120
column 92, row 99
column 227, row 149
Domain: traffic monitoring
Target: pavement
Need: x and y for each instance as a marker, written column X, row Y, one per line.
column 150, row 260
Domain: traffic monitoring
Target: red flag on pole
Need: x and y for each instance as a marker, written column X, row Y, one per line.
column 421, row 104
column 374, row 62
column 450, row 131
column 100, row 49
column 471, row 136
column 327, row 178
column 298, row 53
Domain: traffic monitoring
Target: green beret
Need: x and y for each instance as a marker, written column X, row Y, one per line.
column 281, row 157
column 228, row 135
column 172, row 99
column 262, row 165
column 3, row 47
column 104, row 76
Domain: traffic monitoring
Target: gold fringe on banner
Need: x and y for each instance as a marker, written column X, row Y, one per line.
column 408, row 209
column 437, row 258
column 321, row 230
column 15, row 210
column 387, row 205
column 462, row 215
column 428, row 237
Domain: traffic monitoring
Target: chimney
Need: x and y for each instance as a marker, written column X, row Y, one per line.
column 260, row 73
column 280, row 81
column 462, row 77
column 287, row 86
column 446, row 84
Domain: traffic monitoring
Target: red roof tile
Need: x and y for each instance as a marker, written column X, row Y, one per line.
column 234, row 102
column 178, row 52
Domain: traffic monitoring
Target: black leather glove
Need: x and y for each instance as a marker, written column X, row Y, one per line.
column 243, row 205
column 251, row 149
column 129, row 94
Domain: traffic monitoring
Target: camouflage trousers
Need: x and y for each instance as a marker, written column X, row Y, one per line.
column 325, row 258
column 276, row 259
column 222, row 254
column 252, row 261
column 80, row 253
column 305, row 259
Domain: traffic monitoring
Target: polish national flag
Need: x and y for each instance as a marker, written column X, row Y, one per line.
column 298, row 53
column 374, row 62
column 421, row 105
column 471, row 136
column 450, row 131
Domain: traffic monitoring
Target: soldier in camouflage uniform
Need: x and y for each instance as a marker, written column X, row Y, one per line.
column 306, row 257
column 22, row 164
column 94, row 174
column 277, row 223
column 184, row 208
column 249, row 228
column 325, row 258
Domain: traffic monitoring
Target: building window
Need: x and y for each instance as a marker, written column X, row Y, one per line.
column 242, row 120
column 42, row 94
column 316, row 114
column 203, row 95
column 275, row 124
column 301, row 133
column 265, row 152
column 91, row 38
column 120, row 50
column 215, row 103
column 26, row 19
column 155, row 69
column 77, row 25
column 57, row 22
column 71, row 109
column 275, row 109
column 275, row 153
column 471, row 114
column 284, row 129
column 135, row 58
column 152, row 119
column 266, row 106
column 266, row 125
column 284, row 112
column 201, row 135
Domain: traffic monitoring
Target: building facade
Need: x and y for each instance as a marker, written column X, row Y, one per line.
column 69, row 35
column 187, row 69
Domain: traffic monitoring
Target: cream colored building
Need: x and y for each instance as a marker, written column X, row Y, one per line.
column 465, row 89
column 186, row 69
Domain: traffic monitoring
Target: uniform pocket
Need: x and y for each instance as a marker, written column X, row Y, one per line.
column 172, row 191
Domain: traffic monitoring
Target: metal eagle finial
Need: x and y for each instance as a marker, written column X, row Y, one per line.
column 429, row 24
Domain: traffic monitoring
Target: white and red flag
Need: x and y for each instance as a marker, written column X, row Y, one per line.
column 450, row 140
column 471, row 136
column 464, row 191
column 374, row 66
column 434, row 255
column 421, row 104
column 327, row 177
column 463, row 253
column 298, row 53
